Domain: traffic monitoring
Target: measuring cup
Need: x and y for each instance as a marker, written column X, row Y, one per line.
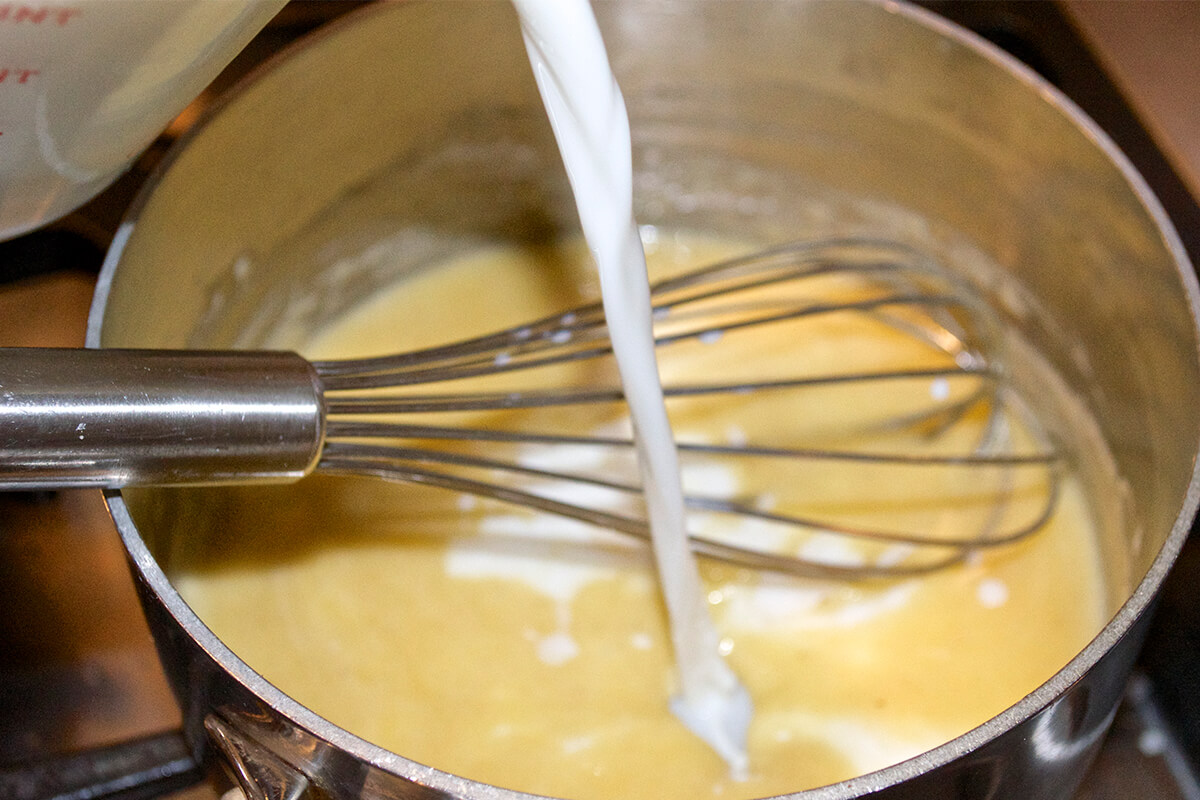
column 85, row 86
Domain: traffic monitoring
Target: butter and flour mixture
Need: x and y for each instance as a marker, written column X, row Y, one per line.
column 531, row 652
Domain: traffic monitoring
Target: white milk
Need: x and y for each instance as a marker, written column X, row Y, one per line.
column 590, row 124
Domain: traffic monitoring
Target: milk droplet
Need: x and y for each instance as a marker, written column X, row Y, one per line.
column 992, row 592
column 1151, row 742
column 574, row 744
column 557, row 649
column 735, row 436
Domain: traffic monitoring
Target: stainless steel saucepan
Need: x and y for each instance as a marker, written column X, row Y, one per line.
column 419, row 123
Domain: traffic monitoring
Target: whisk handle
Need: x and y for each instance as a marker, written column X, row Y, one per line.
column 118, row 418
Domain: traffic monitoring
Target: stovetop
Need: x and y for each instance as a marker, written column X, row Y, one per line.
column 78, row 669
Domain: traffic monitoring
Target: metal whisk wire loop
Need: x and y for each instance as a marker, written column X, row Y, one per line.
column 892, row 286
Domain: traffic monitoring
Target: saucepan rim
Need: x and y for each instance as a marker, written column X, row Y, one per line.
column 1041, row 697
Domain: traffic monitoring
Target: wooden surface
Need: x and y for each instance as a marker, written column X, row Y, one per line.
column 1151, row 48
column 78, row 668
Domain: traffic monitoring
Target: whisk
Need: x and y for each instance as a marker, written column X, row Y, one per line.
column 932, row 418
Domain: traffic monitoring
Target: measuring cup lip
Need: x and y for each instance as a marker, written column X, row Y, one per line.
column 1040, row 699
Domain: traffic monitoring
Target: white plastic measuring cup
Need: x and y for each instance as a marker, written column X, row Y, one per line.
column 86, row 85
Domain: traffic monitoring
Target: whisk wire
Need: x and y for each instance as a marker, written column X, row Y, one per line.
column 889, row 283
column 637, row 527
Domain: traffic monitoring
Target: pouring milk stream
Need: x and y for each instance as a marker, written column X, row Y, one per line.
column 587, row 113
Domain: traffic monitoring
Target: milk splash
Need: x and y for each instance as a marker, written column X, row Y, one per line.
column 587, row 113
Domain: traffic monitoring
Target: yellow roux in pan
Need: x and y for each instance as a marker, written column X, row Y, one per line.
column 530, row 652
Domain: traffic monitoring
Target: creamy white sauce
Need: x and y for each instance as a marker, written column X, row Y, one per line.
column 587, row 113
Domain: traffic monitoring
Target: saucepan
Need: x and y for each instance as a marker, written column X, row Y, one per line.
column 419, row 123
